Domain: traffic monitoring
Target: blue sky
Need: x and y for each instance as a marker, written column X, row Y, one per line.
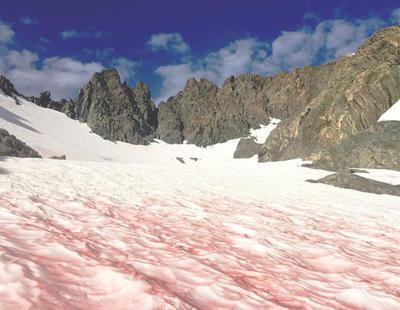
column 57, row 45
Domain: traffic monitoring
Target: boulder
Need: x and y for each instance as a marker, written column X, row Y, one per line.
column 11, row 146
column 247, row 148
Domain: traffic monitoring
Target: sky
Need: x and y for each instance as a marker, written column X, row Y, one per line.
column 58, row 45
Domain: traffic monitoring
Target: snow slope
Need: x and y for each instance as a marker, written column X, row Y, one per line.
column 393, row 114
column 145, row 231
column 52, row 133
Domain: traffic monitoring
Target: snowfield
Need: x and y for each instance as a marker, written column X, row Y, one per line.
column 130, row 227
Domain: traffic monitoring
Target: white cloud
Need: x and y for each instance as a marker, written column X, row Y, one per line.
column 75, row 34
column 127, row 68
column 61, row 75
column 168, row 41
column 6, row 33
column 26, row 20
column 292, row 49
column 395, row 16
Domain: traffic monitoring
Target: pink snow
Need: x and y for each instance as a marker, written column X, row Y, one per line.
column 80, row 253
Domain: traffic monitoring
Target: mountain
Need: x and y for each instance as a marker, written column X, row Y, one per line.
column 115, row 111
column 204, row 114
column 318, row 105
column 357, row 90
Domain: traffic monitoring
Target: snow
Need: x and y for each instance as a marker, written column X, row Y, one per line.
column 382, row 175
column 263, row 132
column 143, row 231
column 393, row 114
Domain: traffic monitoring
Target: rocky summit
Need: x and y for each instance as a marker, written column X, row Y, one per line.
column 6, row 87
column 115, row 111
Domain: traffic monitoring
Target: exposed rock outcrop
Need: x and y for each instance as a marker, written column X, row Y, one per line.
column 356, row 91
column 375, row 147
column 204, row 114
column 116, row 112
column 11, row 146
column 7, row 88
column 345, row 179
column 247, row 148
column 45, row 101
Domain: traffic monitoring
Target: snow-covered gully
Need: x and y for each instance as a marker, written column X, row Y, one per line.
column 81, row 235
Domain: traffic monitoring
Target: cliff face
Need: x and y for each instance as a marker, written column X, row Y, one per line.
column 358, row 90
column 377, row 147
column 116, row 112
column 204, row 114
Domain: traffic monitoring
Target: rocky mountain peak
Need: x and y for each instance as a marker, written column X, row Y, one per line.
column 44, row 99
column 107, row 75
column 385, row 41
column 199, row 86
column 115, row 111
column 7, row 87
column 141, row 90
column 191, row 83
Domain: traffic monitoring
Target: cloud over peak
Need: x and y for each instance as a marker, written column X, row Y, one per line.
column 168, row 41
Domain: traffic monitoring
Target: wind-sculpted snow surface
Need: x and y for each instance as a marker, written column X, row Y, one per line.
column 80, row 235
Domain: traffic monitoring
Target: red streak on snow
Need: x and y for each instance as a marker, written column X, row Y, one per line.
column 209, row 254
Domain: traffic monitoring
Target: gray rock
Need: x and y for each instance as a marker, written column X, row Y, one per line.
column 180, row 159
column 116, row 112
column 11, row 146
column 44, row 100
column 204, row 114
column 375, row 147
column 247, row 148
column 7, row 87
column 62, row 157
column 348, row 180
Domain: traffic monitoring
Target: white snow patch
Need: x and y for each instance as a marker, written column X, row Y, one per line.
column 393, row 114
column 261, row 134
